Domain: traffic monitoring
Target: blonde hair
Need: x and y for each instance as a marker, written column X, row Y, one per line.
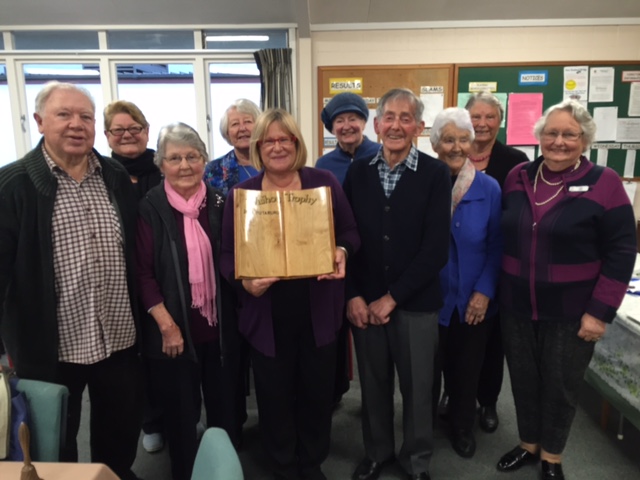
column 289, row 125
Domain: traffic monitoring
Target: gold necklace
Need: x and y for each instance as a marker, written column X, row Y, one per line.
column 535, row 184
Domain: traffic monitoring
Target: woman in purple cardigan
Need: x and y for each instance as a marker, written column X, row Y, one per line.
column 569, row 250
column 291, row 325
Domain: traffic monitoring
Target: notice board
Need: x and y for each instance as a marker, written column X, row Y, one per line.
column 618, row 151
column 371, row 82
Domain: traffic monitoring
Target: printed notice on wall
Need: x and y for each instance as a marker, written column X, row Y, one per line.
column 628, row 130
column 606, row 121
column 339, row 85
column 631, row 76
column 576, row 84
column 524, row 110
column 601, row 84
column 483, row 87
column 634, row 100
column 433, row 99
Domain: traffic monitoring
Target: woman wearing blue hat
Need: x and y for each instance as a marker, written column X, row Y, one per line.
column 346, row 116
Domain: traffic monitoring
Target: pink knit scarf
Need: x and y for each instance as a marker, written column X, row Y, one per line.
column 199, row 253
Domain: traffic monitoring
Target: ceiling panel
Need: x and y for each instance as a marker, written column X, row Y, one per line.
column 301, row 12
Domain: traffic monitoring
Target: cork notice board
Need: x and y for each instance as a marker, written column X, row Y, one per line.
column 371, row 82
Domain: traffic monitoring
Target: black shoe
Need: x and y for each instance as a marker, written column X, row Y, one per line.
column 489, row 419
column 419, row 476
column 463, row 443
column 515, row 459
column 551, row 471
column 369, row 469
column 443, row 406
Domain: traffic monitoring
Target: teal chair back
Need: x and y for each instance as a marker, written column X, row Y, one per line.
column 48, row 411
column 216, row 458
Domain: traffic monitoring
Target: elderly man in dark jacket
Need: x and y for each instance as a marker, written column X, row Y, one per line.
column 66, row 275
column 401, row 199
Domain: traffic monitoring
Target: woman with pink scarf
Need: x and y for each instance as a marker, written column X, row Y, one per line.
column 189, row 305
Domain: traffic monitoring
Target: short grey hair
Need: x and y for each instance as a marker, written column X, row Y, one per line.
column 579, row 113
column 50, row 87
column 242, row 105
column 181, row 134
column 488, row 98
column 401, row 94
column 455, row 115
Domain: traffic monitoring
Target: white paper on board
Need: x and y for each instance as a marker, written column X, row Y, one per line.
column 601, row 84
column 369, row 128
column 630, row 165
column 576, row 84
column 606, row 119
column 601, row 158
column 634, row 99
column 530, row 152
column 631, row 188
column 433, row 105
column 424, row 145
column 628, row 130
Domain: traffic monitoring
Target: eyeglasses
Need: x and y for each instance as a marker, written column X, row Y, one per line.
column 177, row 159
column 284, row 142
column 566, row 136
column 118, row 132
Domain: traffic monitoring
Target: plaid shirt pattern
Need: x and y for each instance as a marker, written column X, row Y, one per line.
column 389, row 177
column 93, row 310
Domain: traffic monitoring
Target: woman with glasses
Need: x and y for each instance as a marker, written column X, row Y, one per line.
column 236, row 126
column 470, row 277
column 291, row 325
column 569, row 251
column 127, row 132
column 187, row 301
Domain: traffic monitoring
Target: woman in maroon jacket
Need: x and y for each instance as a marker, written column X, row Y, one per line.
column 292, row 325
column 569, row 250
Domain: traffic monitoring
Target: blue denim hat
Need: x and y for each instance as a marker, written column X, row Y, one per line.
column 342, row 103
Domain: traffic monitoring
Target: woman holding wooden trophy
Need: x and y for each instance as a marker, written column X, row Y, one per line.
column 286, row 238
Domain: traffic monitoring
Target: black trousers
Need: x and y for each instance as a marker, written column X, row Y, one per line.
column 294, row 391
column 492, row 372
column 152, row 413
column 115, row 394
column 460, row 352
column 180, row 386
column 547, row 361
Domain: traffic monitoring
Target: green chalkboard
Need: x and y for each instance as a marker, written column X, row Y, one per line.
column 507, row 80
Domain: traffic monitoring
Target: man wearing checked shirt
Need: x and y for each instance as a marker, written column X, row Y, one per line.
column 66, row 275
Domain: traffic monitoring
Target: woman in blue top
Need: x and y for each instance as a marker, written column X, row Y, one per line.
column 469, row 279
column 236, row 126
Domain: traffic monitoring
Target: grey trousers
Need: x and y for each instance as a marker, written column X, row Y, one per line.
column 547, row 361
column 409, row 343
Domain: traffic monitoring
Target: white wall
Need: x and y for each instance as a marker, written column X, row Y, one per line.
column 464, row 45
